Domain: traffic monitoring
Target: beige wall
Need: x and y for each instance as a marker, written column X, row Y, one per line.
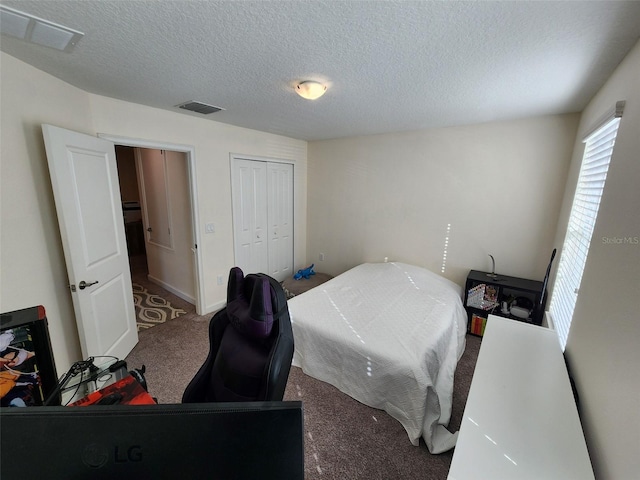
column 497, row 185
column 603, row 347
column 33, row 269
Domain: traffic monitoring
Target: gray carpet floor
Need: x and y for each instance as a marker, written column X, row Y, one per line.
column 344, row 439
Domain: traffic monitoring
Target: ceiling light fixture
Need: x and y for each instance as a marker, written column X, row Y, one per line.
column 310, row 89
column 36, row 30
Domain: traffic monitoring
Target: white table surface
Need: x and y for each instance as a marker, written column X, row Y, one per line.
column 521, row 420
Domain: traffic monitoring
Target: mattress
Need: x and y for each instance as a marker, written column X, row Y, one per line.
column 390, row 336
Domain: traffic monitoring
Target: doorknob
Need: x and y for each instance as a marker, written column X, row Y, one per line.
column 149, row 229
column 82, row 285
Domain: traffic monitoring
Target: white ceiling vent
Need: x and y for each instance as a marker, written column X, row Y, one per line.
column 37, row 30
column 199, row 107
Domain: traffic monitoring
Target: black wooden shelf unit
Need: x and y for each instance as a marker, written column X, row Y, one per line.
column 485, row 293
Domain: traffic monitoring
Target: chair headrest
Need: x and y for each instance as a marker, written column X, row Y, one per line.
column 250, row 304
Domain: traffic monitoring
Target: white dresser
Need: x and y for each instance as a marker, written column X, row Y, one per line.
column 521, row 420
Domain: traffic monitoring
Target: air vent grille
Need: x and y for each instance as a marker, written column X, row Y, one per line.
column 199, row 107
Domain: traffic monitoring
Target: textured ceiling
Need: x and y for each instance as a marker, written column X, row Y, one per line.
column 390, row 65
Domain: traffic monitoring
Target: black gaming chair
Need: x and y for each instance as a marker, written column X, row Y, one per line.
column 251, row 345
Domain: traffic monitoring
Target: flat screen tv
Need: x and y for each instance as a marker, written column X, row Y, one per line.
column 252, row 440
column 27, row 370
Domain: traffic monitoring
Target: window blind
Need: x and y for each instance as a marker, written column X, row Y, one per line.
column 582, row 220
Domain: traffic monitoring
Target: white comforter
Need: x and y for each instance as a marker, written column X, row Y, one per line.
column 390, row 336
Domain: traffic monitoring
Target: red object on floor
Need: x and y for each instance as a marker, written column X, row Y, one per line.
column 130, row 389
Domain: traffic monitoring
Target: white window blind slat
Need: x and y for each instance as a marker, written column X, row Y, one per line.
column 597, row 166
column 604, row 136
column 582, row 220
column 605, row 132
column 599, row 157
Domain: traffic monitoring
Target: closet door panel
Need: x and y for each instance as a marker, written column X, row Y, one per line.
column 280, row 212
column 260, row 222
column 250, row 215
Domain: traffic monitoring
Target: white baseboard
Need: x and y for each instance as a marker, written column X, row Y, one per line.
column 175, row 291
column 188, row 298
column 215, row 307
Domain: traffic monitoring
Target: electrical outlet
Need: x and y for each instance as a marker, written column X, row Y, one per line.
column 220, row 279
column 209, row 228
column 321, row 257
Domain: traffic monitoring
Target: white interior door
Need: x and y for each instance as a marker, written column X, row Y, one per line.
column 249, row 186
column 85, row 186
column 280, row 217
column 155, row 199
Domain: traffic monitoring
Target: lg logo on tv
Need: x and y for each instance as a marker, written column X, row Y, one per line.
column 96, row 456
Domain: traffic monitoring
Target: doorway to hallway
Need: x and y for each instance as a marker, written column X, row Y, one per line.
column 154, row 188
column 155, row 199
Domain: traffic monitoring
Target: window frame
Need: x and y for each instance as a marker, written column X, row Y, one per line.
column 599, row 145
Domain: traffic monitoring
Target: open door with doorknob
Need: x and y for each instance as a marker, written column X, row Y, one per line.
column 85, row 185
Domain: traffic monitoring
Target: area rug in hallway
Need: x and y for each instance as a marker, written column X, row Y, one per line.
column 152, row 309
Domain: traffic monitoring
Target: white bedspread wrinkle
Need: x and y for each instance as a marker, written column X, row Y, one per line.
column 390, row 336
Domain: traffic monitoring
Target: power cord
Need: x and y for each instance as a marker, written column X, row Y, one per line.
column 83, row 365
column 77, row 388
column 76, row 368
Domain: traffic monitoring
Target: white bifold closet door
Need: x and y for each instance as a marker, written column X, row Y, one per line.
column 263, row 216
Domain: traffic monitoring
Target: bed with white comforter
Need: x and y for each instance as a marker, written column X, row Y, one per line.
column 390, row 336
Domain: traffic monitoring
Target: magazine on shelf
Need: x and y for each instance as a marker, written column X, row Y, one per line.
column 483, row 296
